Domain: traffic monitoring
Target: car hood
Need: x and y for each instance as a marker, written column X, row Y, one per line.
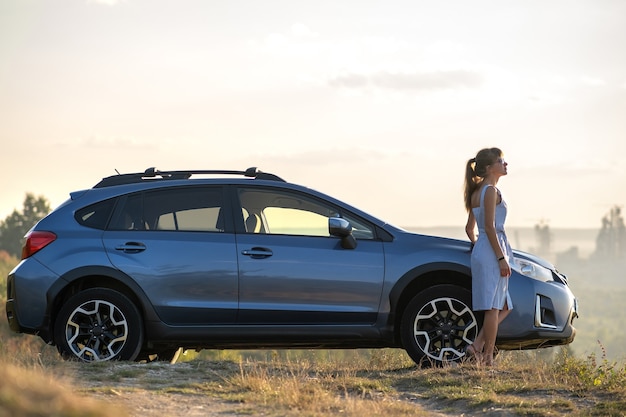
column 464, row 245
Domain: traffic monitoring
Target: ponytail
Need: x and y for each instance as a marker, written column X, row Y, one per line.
column 472, row 182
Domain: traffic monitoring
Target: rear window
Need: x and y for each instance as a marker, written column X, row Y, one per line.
column 96, row 215
column 175, row 209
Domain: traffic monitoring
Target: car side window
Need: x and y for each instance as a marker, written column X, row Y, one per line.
column 96, row 215
column 175, row 209
column 291, row 213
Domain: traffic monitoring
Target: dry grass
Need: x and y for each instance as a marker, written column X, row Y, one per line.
column 524, row 385
column 311, row 383
column 33, row 392
column 306, row 388
column 30, row 387
column 372, row 383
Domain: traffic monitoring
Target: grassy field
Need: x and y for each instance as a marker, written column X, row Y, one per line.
column 552, row 382
column 303, row 383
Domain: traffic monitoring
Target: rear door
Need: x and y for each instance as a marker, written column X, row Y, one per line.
column 176, row 243
column 291, row 271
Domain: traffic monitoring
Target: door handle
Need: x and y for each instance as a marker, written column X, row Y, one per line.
column 257, row 253
column 131, row 247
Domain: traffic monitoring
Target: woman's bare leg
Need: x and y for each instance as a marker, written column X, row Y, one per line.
column 503, row 314
column 479, row 346
column 490, row 331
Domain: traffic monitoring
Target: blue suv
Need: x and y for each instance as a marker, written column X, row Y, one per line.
column 143, row 265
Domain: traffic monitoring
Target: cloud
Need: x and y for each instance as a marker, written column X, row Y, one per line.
column 340, row 156
column 300, row 30
column 114, row 143
column 300, row 40
column 592, row 81
column 416, row 81
column 544, row 98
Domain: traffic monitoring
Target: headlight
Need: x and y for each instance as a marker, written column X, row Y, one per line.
column 532, row 270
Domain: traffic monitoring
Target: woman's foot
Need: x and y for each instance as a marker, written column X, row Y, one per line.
column 472, row 354
column 469, row 350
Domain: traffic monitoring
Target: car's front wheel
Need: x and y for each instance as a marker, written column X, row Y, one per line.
column 99, row 324
column 437, row 325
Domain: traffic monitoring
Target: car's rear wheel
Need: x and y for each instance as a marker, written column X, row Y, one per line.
column 99, row 324
column 437, row 325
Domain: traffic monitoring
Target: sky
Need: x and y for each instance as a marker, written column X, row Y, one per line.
column 379, row 104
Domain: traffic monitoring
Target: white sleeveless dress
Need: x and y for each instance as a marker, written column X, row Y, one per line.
column 489, row 289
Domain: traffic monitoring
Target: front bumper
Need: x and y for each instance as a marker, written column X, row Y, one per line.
column 543, row 315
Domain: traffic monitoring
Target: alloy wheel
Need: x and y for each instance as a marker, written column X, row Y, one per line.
column 96, row 331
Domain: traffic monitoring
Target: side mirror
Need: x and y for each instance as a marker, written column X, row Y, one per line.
column 342, row 228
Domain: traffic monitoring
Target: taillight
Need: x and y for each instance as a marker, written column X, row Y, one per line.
column 36, row 241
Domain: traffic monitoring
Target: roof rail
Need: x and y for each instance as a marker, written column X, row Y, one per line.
column 152, row 174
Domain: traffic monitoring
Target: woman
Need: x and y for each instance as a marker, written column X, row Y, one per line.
column 491, row 253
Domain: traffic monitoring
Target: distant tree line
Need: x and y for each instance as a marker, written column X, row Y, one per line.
column 611, row 240
column 17, row 224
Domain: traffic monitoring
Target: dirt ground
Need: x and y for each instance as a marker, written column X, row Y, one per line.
column 143, row 403
column 180, row 390
column 155, row 390
column 212, row 389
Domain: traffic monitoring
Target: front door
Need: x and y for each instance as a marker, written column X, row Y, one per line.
column 291, row 271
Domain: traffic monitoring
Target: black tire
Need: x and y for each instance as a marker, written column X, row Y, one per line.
column 99, row 324
column 437, row 325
